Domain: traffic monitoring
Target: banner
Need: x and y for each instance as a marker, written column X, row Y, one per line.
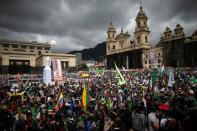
column 17, row 94
column 171, row 78
column 57, row 70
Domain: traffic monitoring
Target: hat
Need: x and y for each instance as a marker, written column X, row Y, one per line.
column 163, row 107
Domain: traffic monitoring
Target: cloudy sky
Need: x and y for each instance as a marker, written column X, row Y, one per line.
column 78, row 24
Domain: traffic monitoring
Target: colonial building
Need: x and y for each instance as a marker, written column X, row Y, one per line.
column 173, row 50
column 152, row 58
column 20, row 56
column 178, row 50
column 124, row 51
column 190, row 48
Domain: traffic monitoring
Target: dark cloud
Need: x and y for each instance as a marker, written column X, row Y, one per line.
column 163, row 13
column 186, row 9
column 26, row 15
column 77, row 24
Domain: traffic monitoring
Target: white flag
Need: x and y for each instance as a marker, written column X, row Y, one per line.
column 171, row 78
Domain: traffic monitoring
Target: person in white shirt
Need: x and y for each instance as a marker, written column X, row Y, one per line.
column 153, row 120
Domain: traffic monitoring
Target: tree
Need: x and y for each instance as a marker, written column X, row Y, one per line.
column 84, row 66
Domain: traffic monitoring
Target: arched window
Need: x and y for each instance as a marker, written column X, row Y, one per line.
column 121, row 44
column 114, row 47
column 39, row 52
column 138, row 24
column 138, row 40
column 144, row 23
column 146, row 39
column 159, row 61
column 108, row 47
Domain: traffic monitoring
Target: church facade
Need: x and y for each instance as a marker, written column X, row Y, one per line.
column 124, row 51
column 173, row 50
column 178, row 50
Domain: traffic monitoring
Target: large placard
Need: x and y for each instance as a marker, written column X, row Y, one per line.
column 57, row 70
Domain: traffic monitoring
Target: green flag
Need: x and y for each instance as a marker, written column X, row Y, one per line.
column 130, row 105
column 154, row 76
column 121, row 79
column 193, row 80
column 34, row 111
column 109, row 103
column 100, row 70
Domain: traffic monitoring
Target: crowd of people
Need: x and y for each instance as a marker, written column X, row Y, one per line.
column 7, row 79
column 150, row 100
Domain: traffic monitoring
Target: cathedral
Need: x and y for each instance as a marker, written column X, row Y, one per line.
column 173, row 50
column 177, row 49
column 124, row 51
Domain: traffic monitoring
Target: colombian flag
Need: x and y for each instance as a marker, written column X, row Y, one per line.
column 59, row 102
column 84, row 97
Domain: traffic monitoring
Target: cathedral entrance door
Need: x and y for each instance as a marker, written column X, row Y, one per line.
column 173, row 63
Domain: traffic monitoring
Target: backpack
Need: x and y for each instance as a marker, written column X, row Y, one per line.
column 138, row 121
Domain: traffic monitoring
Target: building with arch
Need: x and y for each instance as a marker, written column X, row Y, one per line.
column 29, row 57
column 124, row 51
column 173, row 50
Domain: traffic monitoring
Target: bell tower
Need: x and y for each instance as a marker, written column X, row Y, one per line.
column 111, row 35
column 142, row 33
column 111, row 32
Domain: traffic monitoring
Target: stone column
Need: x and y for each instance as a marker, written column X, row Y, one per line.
column 64, row 65
column 127, row 61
